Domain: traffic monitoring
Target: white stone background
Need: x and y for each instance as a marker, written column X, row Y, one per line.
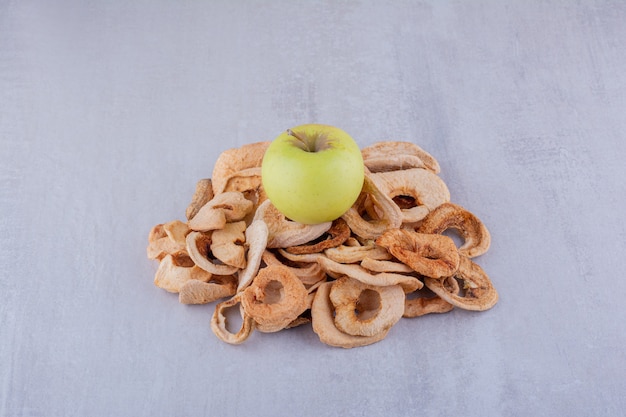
column 111, row 111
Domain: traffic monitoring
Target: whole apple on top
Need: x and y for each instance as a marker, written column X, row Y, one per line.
column 313, row 173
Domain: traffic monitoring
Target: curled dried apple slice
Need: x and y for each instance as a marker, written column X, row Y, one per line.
column 225, row 207
column 388, row 215
column 202, row 195
column 397, row 155
column 235, row 160
column 417, row 307
column 451, row 216
column 355, row 252
column 309, row 273
column 476, row 293
column 199, row 249
column 167, row 239
column 219, row 322
column 227, row 244
column 173, row 273
column 338, row 233
column 407, row 282
column 200, row 292
column 256, row 242
column 284, row 233
column 430, row 255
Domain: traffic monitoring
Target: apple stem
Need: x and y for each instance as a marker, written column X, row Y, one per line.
column 302, row 142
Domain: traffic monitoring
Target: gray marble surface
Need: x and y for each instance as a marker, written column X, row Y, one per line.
column 111, row 111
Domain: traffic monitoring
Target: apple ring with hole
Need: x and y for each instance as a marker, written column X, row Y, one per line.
column 389, row 214
column 365, row 310
column 275, row 298
column 421, row 188
column 476, row 293
column 283, row 232
column 235, row 160
column 219, row 324
column 397, row 155
column 451, row 216
column 323, row 323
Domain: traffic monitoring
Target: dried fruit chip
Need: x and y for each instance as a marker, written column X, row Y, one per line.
column 451, row 216
column 323, row 321
column 433, row 256
column 309, row 273
column 397, row 155
column 389, row 214
column 304, row 258
column 225, row 207
column 275, row 298
column 202, row 195
column 200, row 292
column 424, row 188
column 167, row 239
column 416, row 306
column 172, row 274
column 256, row 241
column 199, row 249
column 355, row 252
column 284, row 233
column 235, row 160
column 375, row 265
column 407, row 282
column 249, row 183
column 338, row 233
column 365, row 310
column 219, row 323
column 227, row 244
column 476, row 293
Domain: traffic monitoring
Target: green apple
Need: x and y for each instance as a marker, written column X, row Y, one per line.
column 313, row 173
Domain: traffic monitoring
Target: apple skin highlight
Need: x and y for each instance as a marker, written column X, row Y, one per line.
column 313, row 187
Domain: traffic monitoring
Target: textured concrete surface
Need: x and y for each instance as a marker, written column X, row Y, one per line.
column 111, row 111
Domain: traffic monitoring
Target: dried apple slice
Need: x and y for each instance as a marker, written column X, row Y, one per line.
column 476, row 293
column 365, row 310
column 275, row 298
column 235, row 160
column 284, row 233
column 452, row 216
column 426, row 189
column 397, row 155
column 430, row 255
column 323, row 323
